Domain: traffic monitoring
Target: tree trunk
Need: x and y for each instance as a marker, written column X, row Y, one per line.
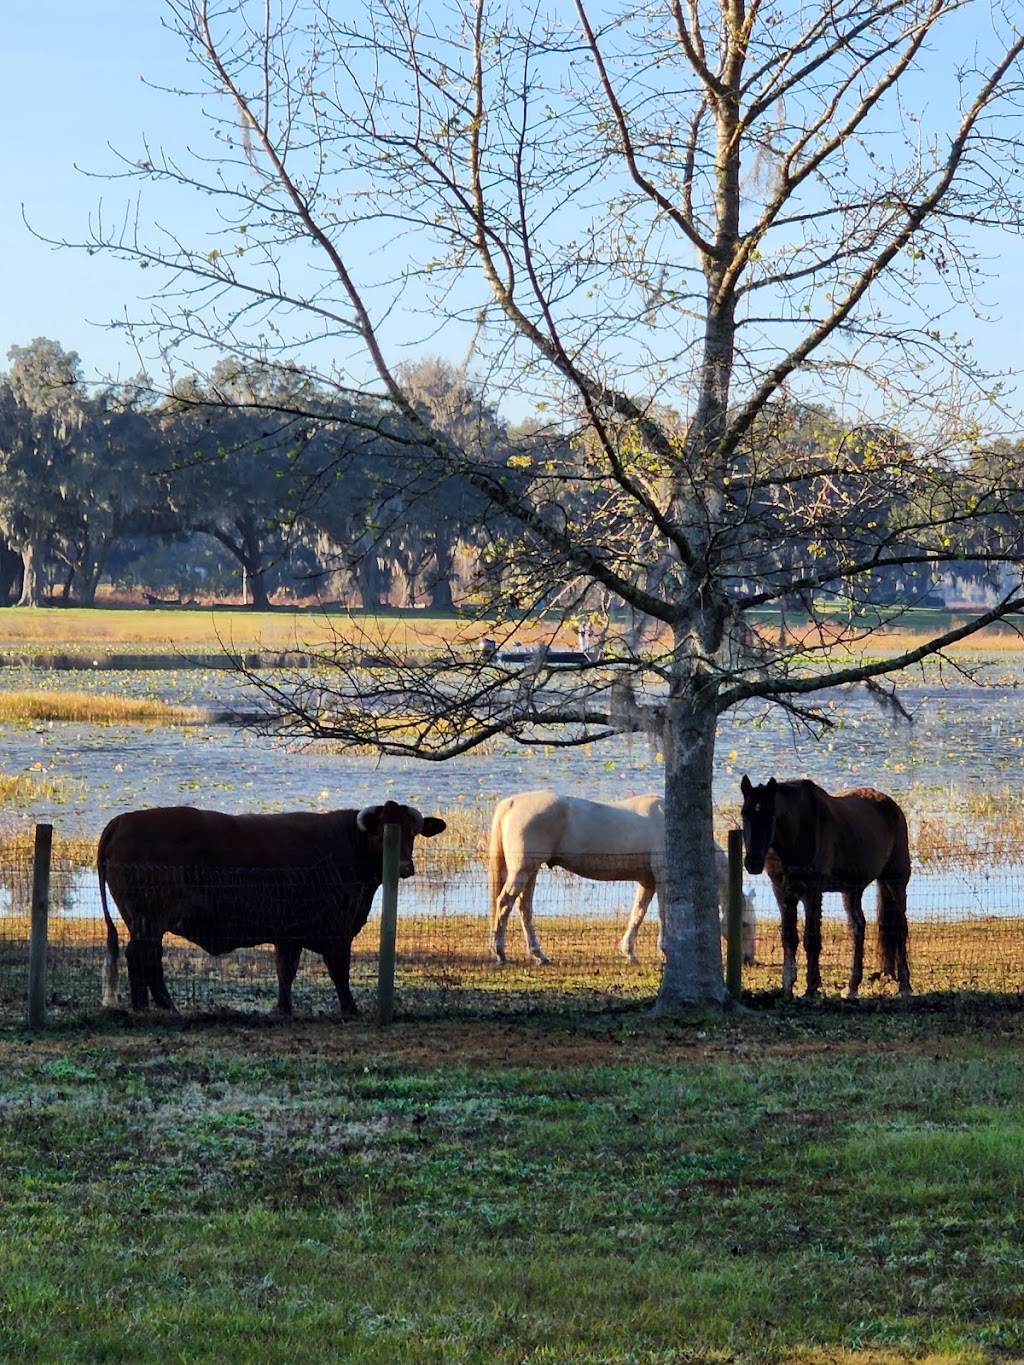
column 374, row 580
column 12, row 573
column 30, row 576
column 693, row 975
column 257, row 587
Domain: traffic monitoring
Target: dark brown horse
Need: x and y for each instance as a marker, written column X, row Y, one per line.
column 810, row 842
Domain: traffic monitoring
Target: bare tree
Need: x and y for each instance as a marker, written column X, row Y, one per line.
column 666, row 226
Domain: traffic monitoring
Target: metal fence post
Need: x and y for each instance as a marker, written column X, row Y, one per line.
column 388, row 924
column 38, row 933
column 734, row 918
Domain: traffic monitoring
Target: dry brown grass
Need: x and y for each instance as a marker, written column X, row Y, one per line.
column 444, row 965
column 18, row 708
column 77, row 630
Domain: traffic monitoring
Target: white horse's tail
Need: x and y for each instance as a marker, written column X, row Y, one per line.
column 497, row 867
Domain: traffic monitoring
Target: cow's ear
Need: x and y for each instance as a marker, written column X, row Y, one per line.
column 432, row 824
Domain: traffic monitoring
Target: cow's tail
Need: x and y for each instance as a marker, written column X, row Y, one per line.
column 110, row 961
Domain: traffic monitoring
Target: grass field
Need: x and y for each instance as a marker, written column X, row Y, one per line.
column 173, row 631
column 816, row 1186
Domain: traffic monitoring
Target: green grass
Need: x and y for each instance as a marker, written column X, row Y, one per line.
column 756, row 1189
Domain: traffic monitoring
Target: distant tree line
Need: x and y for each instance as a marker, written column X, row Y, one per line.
column 250, row 477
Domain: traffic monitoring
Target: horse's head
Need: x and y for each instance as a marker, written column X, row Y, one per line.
column 758, row 815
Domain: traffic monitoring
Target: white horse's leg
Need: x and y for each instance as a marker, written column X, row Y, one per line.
column 642, row 899
column 503, row 907
column 529, row 932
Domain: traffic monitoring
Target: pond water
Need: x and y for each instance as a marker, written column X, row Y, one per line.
column 959, row 738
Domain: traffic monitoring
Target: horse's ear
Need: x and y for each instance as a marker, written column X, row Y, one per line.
column 746, row 786
column 770, row 786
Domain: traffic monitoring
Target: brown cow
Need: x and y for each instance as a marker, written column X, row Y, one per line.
column 296, row 880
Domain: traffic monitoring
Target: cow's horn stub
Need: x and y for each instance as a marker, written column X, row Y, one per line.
column 366, row 817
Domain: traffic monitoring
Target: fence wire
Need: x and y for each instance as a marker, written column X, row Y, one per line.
column 966, row 934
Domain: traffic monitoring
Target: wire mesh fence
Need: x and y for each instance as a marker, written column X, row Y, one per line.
column 966, row 934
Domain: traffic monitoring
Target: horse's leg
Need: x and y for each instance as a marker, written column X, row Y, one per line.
column 504, row 903
column 892, row 931
column 812, row 942
column 642, row 899
column 790, row 940
column 526, row 915
column 855, row 918
column 502, row 908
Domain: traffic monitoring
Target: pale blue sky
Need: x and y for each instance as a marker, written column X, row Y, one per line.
column 71, row 82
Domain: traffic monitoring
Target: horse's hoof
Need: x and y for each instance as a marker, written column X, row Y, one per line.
column 541, row 960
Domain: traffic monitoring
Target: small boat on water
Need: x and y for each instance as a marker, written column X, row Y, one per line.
column 543, row 654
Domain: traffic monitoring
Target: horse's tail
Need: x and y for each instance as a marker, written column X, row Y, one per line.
column 110, row 962
column 892, row 908
column 497, row 867
column 892, row 927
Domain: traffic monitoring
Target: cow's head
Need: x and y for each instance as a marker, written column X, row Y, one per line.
column 372, row 819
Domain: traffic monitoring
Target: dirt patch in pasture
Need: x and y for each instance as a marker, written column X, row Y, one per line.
column 935, row 1024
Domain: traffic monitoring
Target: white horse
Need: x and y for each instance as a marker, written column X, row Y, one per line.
column 604, row 841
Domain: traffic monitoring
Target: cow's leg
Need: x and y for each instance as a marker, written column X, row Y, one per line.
column 812, row 942
column 138, row 980
column 642, row 899
column 790, row 940
column 855, row 918
column 338, row 960
column 286, row 960
column 526, row 915
column 144, row 956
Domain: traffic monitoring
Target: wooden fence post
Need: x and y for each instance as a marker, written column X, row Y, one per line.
column 388, row 925
column 38, row 933
column 734, row 917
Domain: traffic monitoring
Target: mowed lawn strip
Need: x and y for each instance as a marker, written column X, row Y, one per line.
column 750, row 1188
